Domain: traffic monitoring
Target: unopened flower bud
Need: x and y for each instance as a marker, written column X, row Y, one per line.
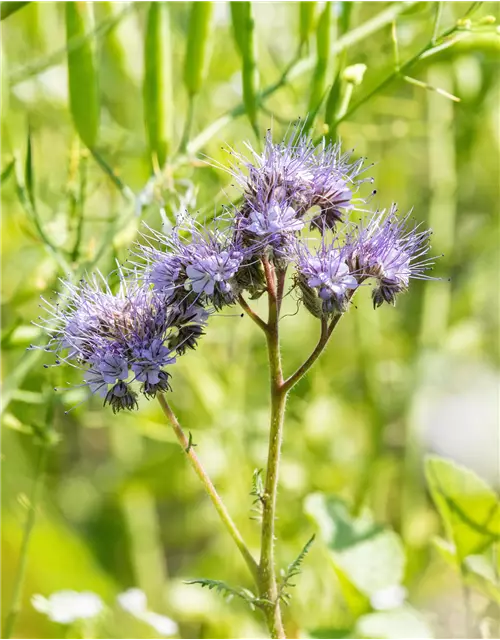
column 354, row 74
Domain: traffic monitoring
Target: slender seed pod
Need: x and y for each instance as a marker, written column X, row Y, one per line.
column 195, row 63
column 323, row 39
column 82, row 72
column 243, row 29
column 121, row 67
column 307, row 15
column 157, row 87
column 333, row 100
column 8, row 8
column 344, row 17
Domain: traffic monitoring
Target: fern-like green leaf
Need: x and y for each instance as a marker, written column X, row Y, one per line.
column 228, row 592
column 257, row 492
column 292, row 571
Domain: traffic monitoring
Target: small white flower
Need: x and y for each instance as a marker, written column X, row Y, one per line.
column 134, row 601
column 162, row 625
column 388, row 598
column 66, row 607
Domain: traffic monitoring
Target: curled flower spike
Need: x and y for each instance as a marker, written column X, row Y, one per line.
column 288, row 179
column 324, row 278
column 119, row 339
column 197, row 264
column 270, row 226
column 391, row 251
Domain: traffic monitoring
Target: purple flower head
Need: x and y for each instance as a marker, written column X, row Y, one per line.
column 165, row 274
column 300, row 175
column 113, row 337
column 325, row 278
column 272, row 225
column 391, row 251
column 149, row 359
column 280, row 173
column 198, row 264
column 332, row 186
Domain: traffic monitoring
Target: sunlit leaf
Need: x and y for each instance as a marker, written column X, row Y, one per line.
column 469, row 508
column 370, row 557
column 399, row 623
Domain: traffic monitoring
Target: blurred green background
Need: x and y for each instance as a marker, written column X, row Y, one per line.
column 119, row 507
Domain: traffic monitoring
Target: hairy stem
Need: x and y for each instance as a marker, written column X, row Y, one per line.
column 326, row 332
column 15, row 606
column 251, row 313
column 268, row 587
column 227, row 521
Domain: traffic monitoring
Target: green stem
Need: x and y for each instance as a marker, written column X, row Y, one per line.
column 15, row 606
column 326, row 332
column 268, row 587
column 209, row 487
column 251, row 313
column 397, row 73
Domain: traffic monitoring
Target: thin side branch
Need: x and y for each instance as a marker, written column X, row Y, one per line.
column 186, row 445
column 251, row 314
column 318, row 349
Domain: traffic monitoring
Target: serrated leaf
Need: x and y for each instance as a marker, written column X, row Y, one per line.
column 293, row 570
column 399, row 623
column 468, row 506
column 228, row 592
column 367, row 557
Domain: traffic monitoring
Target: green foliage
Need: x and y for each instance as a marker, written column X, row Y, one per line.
column 195, row 62
column 292, row 571
column 118, row 506
column 367, row 557
column 82, row 72
column 257, row 493
column 244, row 37
column 306, row 21
column 8, row 8
column 157, row 84
column 228, row 592
column 469, row 508
column 323, row 46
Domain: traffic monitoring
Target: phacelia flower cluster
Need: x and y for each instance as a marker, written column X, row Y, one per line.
column 295, row 216
column 123, row 342
column 194, row 265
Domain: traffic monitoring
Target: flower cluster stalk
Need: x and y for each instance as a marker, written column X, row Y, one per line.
column 268, row 587
column 126, row 342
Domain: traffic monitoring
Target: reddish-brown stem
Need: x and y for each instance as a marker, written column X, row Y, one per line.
column 281, row 276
